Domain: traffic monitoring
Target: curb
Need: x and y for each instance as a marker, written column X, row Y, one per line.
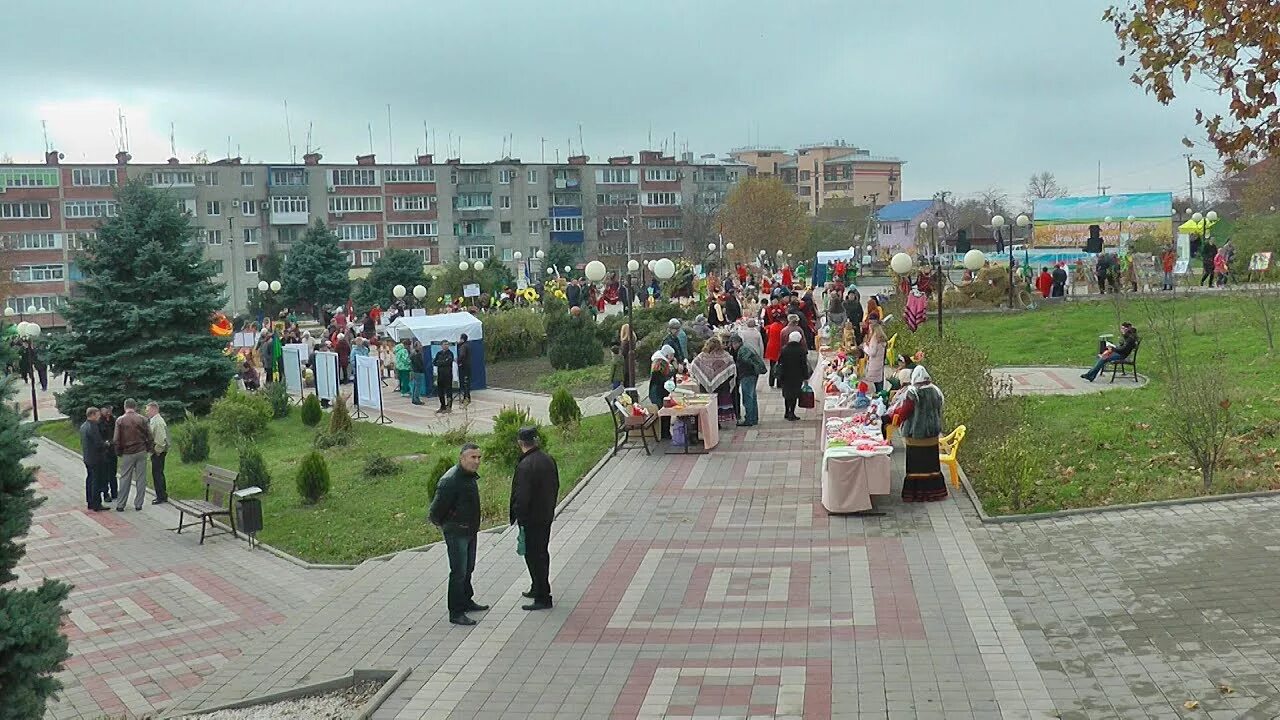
column 1073, row 512
column 391, row 680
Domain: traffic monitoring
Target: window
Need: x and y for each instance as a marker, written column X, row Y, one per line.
column 210, row 177
column 287, row 176
column 535, row 227
column 533, row 251
column 89, row 208
column 213, row 207
column 663, row 223
column 351, row 258
column 469, row 177
column 187, row 207
column 504, row 227
column 508, row 255
column 733, row 175
column 614, row 175
column 409, row 175
column 661, row 174
column 469, row 228
column 473, row 201
column 409, row 203
column 24, row 210
column 804, row 190
column 661, row 199
column 173, row 177
column 504, row 202
column 476, row 252
column 369, row 257
column 359, row 231
column 355, row 203
column 413, row 229
column 282, row 204
column 566, row 224
column 251, row 235
column 246, row 178
column 505, row 177
column 93, row 177
column 532, row 177
column 251, row 265
column 38, row 273
column 804, row 175
column 286, row 235
column 217, row 266
column 533, row 202
column 613, row 198
column 886, row 228
column 41, row 303
column 28, row 178
column 249, row 208
column 354, row 177
column 77, row 240
column 213, row 237
column 423, row 254
column 613, row 223
column 36, row 241
column 566, row 199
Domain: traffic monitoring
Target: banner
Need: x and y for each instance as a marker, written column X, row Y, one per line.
column 368, row 388
column 471, row 290
column 304, row 353
column 292, row 370
column 1260, row 262
column 245, row 339
column 327, row 375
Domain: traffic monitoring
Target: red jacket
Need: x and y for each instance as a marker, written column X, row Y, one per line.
column 773, row 347
column 1044, row 283
column 786, row 277
column 1167, row 262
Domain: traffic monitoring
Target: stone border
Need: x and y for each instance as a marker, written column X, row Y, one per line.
column 1145, row 380
column 391, row 680
column 1072, row 512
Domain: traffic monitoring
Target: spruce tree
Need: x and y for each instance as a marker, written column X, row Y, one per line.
column 395, row 267
column 32, row 649
column 316, row 271
column 139, row 325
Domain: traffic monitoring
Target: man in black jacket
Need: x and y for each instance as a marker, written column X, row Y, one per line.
column 91, row 450
column 1128, row 343
column 464, row 369
column 534, row 491
column 443, row 363
column 455, row 509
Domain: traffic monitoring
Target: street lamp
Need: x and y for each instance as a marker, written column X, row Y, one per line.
column 997, row 222
column 463, row 266
column 30, row 331
column 420, row 292
column 664, row 269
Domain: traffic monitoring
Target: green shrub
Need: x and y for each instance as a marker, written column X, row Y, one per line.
column 192, row 440
column 564, row 409
column 340, row 416
column 456, row 435
column 326, row 439
column 278, row 395
column 379, row 465
column 514, row 333
column 501, row 446
column 253, row 469
column 574, row 344
column 313, row 478
column 239, row 415
column 643, row 321
column 311, row 413
column 441, row 466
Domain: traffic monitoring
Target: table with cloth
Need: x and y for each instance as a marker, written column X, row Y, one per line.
column 708, row 421
column 855, row 461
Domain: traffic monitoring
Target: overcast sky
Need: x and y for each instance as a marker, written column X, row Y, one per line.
column 971, row 95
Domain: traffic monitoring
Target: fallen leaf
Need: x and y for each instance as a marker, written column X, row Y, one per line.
column 1225, row 689
column 1191, row 705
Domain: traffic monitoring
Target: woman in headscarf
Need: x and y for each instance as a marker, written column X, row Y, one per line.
column 919, row 419
column 793, row 371
column 714, row 370
column 701, row 328
column 661, row 369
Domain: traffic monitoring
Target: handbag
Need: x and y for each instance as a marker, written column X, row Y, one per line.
column 806, row 396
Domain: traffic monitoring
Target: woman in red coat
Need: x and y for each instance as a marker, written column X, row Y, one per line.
column 773, row 348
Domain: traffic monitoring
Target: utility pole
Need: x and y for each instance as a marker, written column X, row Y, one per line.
column 1191, row 190
column 1102, row 190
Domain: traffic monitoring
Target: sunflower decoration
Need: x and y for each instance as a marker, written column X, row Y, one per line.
column 560, row 294
column 530, row 295
column 221, row 326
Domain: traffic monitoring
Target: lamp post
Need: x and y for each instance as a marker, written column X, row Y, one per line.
column 398, row 292
column 632, row 266
column 263, row 288
column 997, row 222
column 30, row 331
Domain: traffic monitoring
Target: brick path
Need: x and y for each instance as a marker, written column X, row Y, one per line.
column 152, row 613
column 1061, row 381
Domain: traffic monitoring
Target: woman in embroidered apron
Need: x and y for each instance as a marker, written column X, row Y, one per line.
column 919, row 418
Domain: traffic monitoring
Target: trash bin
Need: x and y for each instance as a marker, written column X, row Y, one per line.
column 249, row 513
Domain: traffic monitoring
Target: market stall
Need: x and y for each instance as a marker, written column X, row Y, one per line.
column 431, row 330
column 698, row 412
column 856, row 463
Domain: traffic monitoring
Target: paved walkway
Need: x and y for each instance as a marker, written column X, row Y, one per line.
column 1060, row 381
column 485, row 404
column 152, row 613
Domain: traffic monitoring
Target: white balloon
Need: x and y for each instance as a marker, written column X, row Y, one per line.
column 901, row 263
column 974, row 259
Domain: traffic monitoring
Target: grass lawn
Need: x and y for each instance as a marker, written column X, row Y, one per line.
column 537, row 375
column 363, row 517
column 1112, row 448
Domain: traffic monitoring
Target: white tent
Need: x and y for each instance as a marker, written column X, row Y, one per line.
column 829, row 256
column 430, row 329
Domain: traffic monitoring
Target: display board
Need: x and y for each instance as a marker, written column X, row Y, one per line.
column 293, row 370
column 327, row 375
column 368, row 388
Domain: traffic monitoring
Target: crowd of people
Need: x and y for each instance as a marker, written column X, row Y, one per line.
column 115, row 452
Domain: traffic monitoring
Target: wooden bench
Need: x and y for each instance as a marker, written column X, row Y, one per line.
column 625, row 425
column 219, row 486
column 1129, row 361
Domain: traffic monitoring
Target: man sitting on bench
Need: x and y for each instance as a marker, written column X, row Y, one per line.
column 1115, row 353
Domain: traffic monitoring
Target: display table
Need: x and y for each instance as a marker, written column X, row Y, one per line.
column 850, row 476
column 708, row 423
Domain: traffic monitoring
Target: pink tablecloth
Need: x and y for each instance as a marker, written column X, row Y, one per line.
column 849, row 482
column 708, row 420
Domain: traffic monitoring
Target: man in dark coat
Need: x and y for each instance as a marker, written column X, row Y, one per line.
column 443, row 362
column 91, row 449
column 455, row 509
column 573, row 293
column 464, row 369
column 108, row 461
column 534, row 491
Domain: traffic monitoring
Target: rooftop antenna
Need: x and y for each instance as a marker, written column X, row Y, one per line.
column 544, row 150
column 125, row 120
column 581, row 148
column 426, row 138
column 228, row 146
column 370, row 126
column 391, row 150
column 310, row 125
column 120, row 138
column 288, row 133
column 44, row 127
column 173, row 145
column 448, row 143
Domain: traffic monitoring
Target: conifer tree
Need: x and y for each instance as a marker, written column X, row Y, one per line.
column 316, row 273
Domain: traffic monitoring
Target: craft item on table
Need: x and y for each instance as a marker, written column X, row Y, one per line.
column 860, row 399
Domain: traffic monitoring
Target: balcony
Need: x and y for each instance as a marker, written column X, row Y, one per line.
column 475, row 240
column 562, row 180
column 290, row 218
column 473, row 212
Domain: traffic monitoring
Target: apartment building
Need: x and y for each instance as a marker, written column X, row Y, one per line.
column 443, row 212
column 825, row 171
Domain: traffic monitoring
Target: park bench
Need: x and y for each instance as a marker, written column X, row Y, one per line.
column 219, row 486
column 1131, row 362
column 624, row 425
column 948, row 446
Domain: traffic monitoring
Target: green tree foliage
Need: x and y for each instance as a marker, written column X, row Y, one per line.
column 311, row 413
column 32, row 649
column 253, row 469
column 340, row 415
column 240, row 415
column 395, row 267
column 572, row 340
column 315, row 274
column 278, row 395
column 762, row 214
column 192, row 439
column 313, row 478
column 140, row 321
column 564, row 409
column 514, row 333
column 558, row 255
column 494, row 276
column 501, row 449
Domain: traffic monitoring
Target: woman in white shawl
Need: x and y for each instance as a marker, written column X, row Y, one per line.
column 919, row 419
column 715, row 370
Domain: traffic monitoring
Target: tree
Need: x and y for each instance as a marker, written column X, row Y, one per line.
column 140, row 322
column 1043, row 186
column 494, row 276
column 316, row 272
column 32, row 648
column 762, row 214
column 558, row 255
column 395, row 267
column 698, row 220
column 1231, row 43
column 1255, row 234
column 1260, row 188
